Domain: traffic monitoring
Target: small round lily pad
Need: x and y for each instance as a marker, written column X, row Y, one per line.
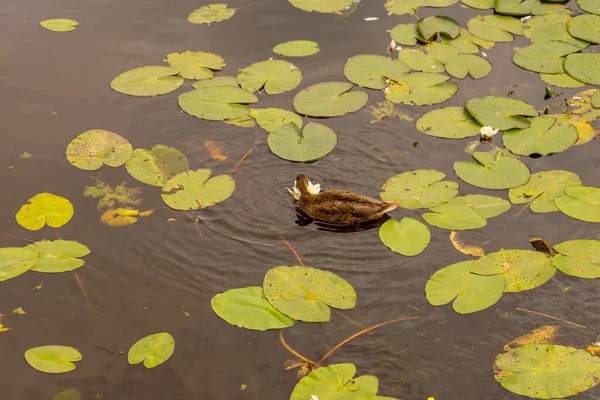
column 297, row 48
column 314, row 142
column 53, row 359
column 59, row 24
column 408, row 236
column 195, row 189
column 96, row 147
column 147, row 81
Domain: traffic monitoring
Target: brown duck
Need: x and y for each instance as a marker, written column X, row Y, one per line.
column 340, row 207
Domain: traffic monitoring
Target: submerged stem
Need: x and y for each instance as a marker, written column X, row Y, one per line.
column 294, row 352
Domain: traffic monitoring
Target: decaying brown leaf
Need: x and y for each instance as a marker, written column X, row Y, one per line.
column 464, row 248
column 109, row 196
column 385, row 109
column 542, row 245
column 215, row 150
column 593, row 350
column 542, row 335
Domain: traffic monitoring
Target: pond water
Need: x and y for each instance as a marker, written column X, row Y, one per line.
column 159, row 276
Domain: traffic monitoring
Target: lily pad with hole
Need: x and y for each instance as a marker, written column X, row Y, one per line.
column 544, row 136
column 408, row 236
column 53, row 359
column 15, row 261
column 217, row 103
column 373, row 71
column 59, row 24
column 96, row 147
column 152, row 350
column 216, row 81
column 336, row 381
column 545, row 57
column 522, row 269
column 479, row 4
column 419, row 189
column 276, row 76
column 249, row 308
column 580, row 258
column 449, row 122
column 455, row 217
column 405, row 34
column 561, row 80
column 211, row 13
column 556, row 32
column 580, row 202
column 470, row 292
column 495, row 28
column 315, row 141
column 591, row 6
column 431, row 26
column 45, row 209
column 195, row 189
column 329, row 99
column 155, row 167
column 542, row 188
column 584, row 67
column 501, row 112
column 272, row 118
column 58, row 255
column 418, row 60
column 421, row 89
column 486, row 206
column 470, row 64
column 297, row 48
column 322, row 6
column 147, row 81
column 585, row 27
column 195, row 65
column 306, row 293
column 493, row 170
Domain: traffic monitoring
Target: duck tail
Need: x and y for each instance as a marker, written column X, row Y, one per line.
column 388, row 206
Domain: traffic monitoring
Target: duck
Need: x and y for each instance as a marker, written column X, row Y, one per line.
column 340, row 207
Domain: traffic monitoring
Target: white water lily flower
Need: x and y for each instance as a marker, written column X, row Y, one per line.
column 313, row 397
column 312, row 188
column 597, row 342
column 487, row 132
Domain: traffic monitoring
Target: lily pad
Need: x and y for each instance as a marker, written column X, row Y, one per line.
column 468, row 36
column 336, row 382
column 584, row 67
column 147, row 81
column 272, row 118
column 561, row 80
column 585, row 130
column 542, row 188
column 405, row 34
column 455, row 217
column 45, row 209
column 486, row 206
column 419, row 189
column 16, row 260
column 58, row 255
column 449, row 122
column 329, row 99
column 53, row 359
column 585, row 27
column 315, row 141
column 69, row 394
column 408, row 237
column 297, row 48
column 515, row 7
column 322, row 6
column 501, row 112
column 431, row 26
column 192, row 190
column 157, row 166
column 216, row 81
column 545, row 57
column 580, row 202
column 495, row 28
column 479, row 4
column 59, row 24
column 590, row 6
column 421, row 89
column 442, row 52
column 541, row 22
column 580, row 258
column 372, row 71
column 401, row 7
column 217, row 103
column 556, row 32
column 276, row 76
column 522, row 269
column 470, row 292
column 543, row 137
column 493, row 170
column 93, row 148
column 211, row 13
column 195, row 65
column 418, row 60
column 153, row 350
column 464, row 64
column 305, row 293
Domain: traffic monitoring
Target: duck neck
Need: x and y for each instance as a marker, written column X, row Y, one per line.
column 302, row 184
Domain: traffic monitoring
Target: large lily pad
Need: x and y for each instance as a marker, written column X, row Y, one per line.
column 584, row 67
column 585, row 27
column 93, row 148
column 544, row 136
column 561, row 80
column 419, row 189
column 580, row 202
column 501, row 112
column 58, row 255
column 16, row 260
column 405, row 34
column 495, row 28
column 147, row 81
column 45, row 209
column 305, row 293
column 442, row 52
column 449, row 122
column 157, row 166
column 216, row 81
column 336, row 382
column 315, row 141
column 211, row 13
column 493, row 170
column 479, row 4
column 276, row 76
column 591, row 6
column 580, row 258
column 249, row 308
column 486, row 206
column 546, row 57
column 59, row 24
column 431, row 26
column 297, row 48
column 153, row 350
column 585, row 130
column 515, row 7
column 192, row 190
column 470, row 292
column 53, row 359
column 217, row 103
column 421, row 89
column 329, row 99
column 541, row 22
column 464, row 64
column 322, row 6
column 542, row 188
column 195, row 65
column 419, row 60
column 455, row 217
column 408, row 237
column 272, row 118
column 556, row 32
column 372, row 71
column 522, row 269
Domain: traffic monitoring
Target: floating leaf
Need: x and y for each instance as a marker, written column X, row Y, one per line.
column 543, row 137
column 19, row 311
column 522, row 269
column 449, row 122
column 419, row 189
column 408, row 237
column 418, row 60
column 2, row 327
column 580, row 202
column 315, row 141
column 16, row 260
column 45, row 209
column 530, row 27
column 561, row 80
column 405, row 34
column 479, row 4
column 580, row 258
column 585, row 27
column 93, row 148
column 556, row 32
column 546, row 57
column 58, row 255
column 109, row 197
column 486, row 206
column 442, row 52
column 53, row 359
column 373, row 71
column 297, row 48
column 484, row 44
column 542, row 188
column 585, row 130
column 455, row 217
column 153, row 350
column 590, row 6
column 501, row 112
column 272, row 118
column 192, row 190
column 467, row 249
column 276, row 76
column 195, row 65
column 515, row 7
column 584, row 67
column 157, row 166
column 243, row 122
column 119, row 217
column 248, row 308
column 470, row 292
column 431, row 26
column 495, row 28
column 322, row 6
column 217, row 103
column 59, row 25
column 464, row 64
column 305, row 293
column 385, row 109
column 211, row 13
column 541, row 335
column 147, row 81
column 69, row 394
column 421, row 88
column 216, row 81
column 329, row 99
column 337, row 382
column 492, row 171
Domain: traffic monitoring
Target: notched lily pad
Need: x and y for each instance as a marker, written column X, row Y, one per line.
column 195, row 65
column 431, row 26
column 545, row 57
column 211, row 13
column 486, row 206
column 585, row 27
column 544, row 136
column 449, row 123
column 501, row 112
column 495, row 28
column 59, row 24
column 15, row 261
column 217, row 103
column 419, row 60
column 58, row 255
column 419, row 189
column 53, row 359
column 93, row 148
column 580, row 202
column 421, row 89
column 373, row 71
column 45, row 209
column 272, row 118
column 329, row 99
column 337, row 381
column 152, row 350
column 322, row 6
column 493, row 170
column 408, row 236
column 584, row 67
column 470, row 64
column 297, row 48
column 542, row 188
column 147, row 81
column 405, row 34
column 580, row 258
column 455, row 217
column 192, row 190
column 157, row 166
column 315, row 141
column 276, row 76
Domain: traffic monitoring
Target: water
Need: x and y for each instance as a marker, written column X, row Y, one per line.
column 145, row 278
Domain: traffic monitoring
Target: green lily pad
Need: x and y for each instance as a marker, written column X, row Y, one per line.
column 461, row 44
column 556, row 32
column 243, row 122
column 216, row 81
column 464, row 64
column 211, row 13
column 153, row 350
column 276, row 76
column 542, row 188
column 195, row 65
column 405, row 34
column 541, row 22
column 147, row 81
column 455, row 217
column 157, row 166
column 543, row 137
column 584, row 67
column 580, row 202
column 449, row 122
column 484, row 44
column 401, row 7
column 479, row 4
column 315, row 141
column 418, row 60
column 585, row 130
column 515, row 7
column 585, row 27
column 272, row 118
column 93, row 148
column 522, row 269
column 329, row 99
column 45, row 209
column 590, row 6
column 595, row 99
column 16, row 260
column 408, row 237
column 501, row 112
column 217, row 103
column 419, row 189
column 192, row 190
column 249, row 308
column 442, row 52
column 336, row 382
column 470, row 292
column 59, row 24
column 421, row 89
column 297, row 48
column 431, row 26
column 486, row 206
column 547, row 371
column 580, row 258
column 561, row 80
column 306, row 293
column 53, row 359
column 495, row 28
column 373, row 71
column 546, row 57
column 493, row 170
column 58, row 255
column 322, row 6
column 69, row 394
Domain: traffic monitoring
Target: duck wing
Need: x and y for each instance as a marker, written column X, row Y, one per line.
column 345, row 207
